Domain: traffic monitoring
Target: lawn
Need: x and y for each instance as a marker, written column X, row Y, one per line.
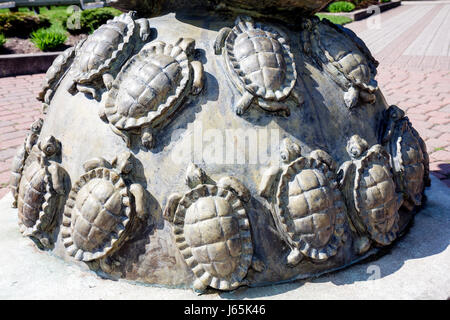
column 335, row 19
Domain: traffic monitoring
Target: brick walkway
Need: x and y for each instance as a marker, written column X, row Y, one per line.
column 412, row 75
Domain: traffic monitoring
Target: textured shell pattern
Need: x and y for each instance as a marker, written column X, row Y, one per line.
column 212, row 233
column 407, row 161
column 104, row 47
column 17, row 168
column 96, row 215
column 343, row 55
column 56, row 71
column 148, row 86
column 375, row 197
column 262, row 60
column 311, row 208
column 33, row 198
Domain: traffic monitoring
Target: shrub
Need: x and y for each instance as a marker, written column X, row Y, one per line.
column 341, row 6
column 47, row 39
column 91, row 19
column 2, row 40
column 21, row 24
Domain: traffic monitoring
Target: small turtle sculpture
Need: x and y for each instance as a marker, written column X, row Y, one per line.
column 344, row 57
column 99, row 58
column 260, row 64
column 372, row 201
column 22, row 154
column 42, row 191
column 103, row 210
column 409, row 157
column 212, row 231
column 307, row 205
column 151, row 87
column 55, row 74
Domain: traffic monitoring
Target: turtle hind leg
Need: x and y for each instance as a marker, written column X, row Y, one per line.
column 124, row 135
column 280, row 108
column 87, row 90
column 351, row 97
column 220, row 40
column 367, row 97
column 199, row 79
column 243, row 103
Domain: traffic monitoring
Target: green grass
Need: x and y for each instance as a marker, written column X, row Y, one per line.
column 335, row 19
column 57, row 15
column 2, row 39
column 439, row 149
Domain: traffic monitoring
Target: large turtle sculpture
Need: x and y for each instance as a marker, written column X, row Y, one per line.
column 21, row 156
column 55, row 74
column 99, row 58
column 212, row 231
column 409, row 157
column 307, row 205
column 42, row 191
column 344, row 57
column 151, row 87
column 261, row 65
column 103, row 209
column 370, row 191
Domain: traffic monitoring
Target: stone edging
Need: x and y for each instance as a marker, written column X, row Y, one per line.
column 20, row 64
column 364, row 13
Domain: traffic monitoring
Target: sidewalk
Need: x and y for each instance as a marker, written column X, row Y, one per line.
column 412, row 45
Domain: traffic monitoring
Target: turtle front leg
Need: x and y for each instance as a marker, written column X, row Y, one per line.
column 139, row 201
column 197, row 85
column 351, row 97
column 244, row 103
column 294, row 258
column 199, row 287
column 220, row 40
column 124, row 135
column 88, row 90
column 147, row 138
column 367, row 97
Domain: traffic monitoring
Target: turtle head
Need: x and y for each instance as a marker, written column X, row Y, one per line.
column 195, row 176
column 356, row 146
column 123, row 162
column 37, row 126
column 50, row 146
column 394, row 113
column 289, row 151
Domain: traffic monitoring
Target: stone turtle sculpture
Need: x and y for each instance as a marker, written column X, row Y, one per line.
column 212, row 231
column 99, row 58
column 409, row 157
column 344, row 57
column 370, row 191
column 21, row 156
column 307, row 205
column 103, row 210
column 261, row 65
column 151, row 87
column 42, row 191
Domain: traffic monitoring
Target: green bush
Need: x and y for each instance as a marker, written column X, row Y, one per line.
column 21, row 24
column 2, row 39
column 91, row 19
column 46, row 39
column 341, row 6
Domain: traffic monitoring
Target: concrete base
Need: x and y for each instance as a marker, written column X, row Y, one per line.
column 416, row 267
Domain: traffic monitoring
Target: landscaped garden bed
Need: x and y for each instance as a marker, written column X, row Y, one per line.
column 26, row 35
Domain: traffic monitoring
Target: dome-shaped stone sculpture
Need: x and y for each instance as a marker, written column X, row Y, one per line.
column 202, row 190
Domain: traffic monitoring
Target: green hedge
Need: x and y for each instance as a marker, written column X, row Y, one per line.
column 341, row 6
column 2, row 39
column 21, row 24
column 91, row 19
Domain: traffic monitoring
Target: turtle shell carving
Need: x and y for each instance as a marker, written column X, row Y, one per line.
column 344, row 57
column 97, row 215
column 41, row 189
column 212, row 233
column 260, row 63
column 311, row 208
column 102, row 54
column 151, row 87
column 408, row 158
column 371, row 192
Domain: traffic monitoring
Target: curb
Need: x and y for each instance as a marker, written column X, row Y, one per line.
column 364, row 13
column 30, row 63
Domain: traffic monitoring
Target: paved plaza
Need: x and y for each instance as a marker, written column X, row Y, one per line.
column 411, row 42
